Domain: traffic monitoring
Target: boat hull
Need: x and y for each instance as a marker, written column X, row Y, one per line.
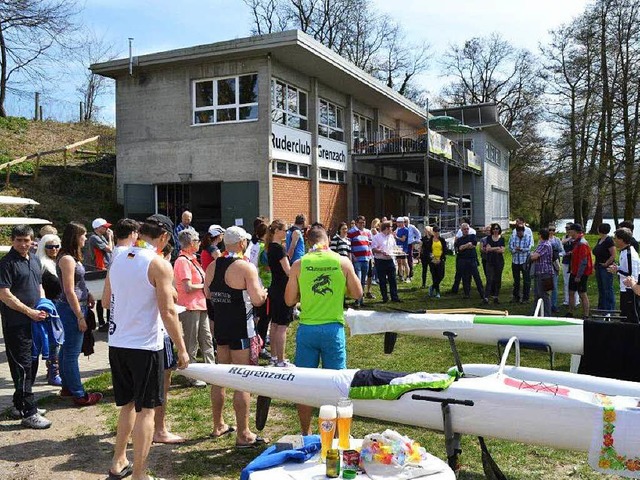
column 566, row 419
column 607, row 386
column 563, row 335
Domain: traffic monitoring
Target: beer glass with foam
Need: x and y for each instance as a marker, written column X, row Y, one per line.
column 327, row 427
column 345, row 414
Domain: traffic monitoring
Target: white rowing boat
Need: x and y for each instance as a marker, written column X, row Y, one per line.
column 495, row 405
column 23, row 221
column 563, row 335
column 8, row 200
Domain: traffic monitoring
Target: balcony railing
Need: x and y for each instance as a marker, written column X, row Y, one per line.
column 415, row 141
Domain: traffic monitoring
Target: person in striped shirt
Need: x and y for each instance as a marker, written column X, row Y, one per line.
column 360, row 238
column 340, row 242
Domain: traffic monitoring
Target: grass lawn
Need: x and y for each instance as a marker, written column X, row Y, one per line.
column 204, row 458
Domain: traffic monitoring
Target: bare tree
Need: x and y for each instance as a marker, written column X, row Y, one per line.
column 355, row 30
column 30, row 30
column 93, row 50
column 490, row 69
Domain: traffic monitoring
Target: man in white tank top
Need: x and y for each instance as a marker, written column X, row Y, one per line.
column 140, row 288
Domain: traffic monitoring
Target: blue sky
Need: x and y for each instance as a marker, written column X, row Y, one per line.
column 158, row 25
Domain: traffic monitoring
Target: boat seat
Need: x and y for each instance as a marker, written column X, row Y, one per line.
column 540, row 346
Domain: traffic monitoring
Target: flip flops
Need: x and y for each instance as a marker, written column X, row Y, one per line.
column 124, row 473
column 229, row 430
column 258, row 442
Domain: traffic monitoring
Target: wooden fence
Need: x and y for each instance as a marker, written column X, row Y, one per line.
column 64, row 150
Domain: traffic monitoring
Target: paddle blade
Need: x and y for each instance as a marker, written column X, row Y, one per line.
column 262, row 411
column 490, row 467
column 390, row 342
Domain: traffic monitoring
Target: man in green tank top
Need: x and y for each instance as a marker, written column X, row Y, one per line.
column 319, row 280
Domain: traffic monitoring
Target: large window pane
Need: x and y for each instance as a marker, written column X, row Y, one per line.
column 304, row 171
column 278, row 97
column 281, row 167
column 292, row 100
column 248, row 89
column 277, row 116
column 336, row 135
column 302, row 104
column 331, row 121
column 204, row 116
column 304, row 124
column 323, row 131
column 227, row 91
column 226, row 115
column 293, row 121
column 324, row 113
column 249, row 113
column 204, row 94
column 338, row 117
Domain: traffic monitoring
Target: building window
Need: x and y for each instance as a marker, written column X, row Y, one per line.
column 329, row 175
column 224, row 100
column 362, row 129
column 290, row 169
column 500, row 204
column 330, row 123
column 494, row 155
column 384, row 133
column 288, row 105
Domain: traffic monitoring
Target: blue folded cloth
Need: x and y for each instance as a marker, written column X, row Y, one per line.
column 270, row 458
column 48, row 306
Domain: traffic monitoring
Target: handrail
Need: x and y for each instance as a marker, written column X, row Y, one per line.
column 66, row 148
column 505, row 355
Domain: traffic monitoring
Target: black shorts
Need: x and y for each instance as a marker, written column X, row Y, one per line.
column 279, row 312
column 137, row 376
column 238, row 344
column 581, row 286
column 261, row 312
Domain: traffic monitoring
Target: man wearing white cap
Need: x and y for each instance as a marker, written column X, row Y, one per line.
column 233, row 286
column 98, row 255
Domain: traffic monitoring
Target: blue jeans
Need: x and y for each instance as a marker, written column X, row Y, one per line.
column 362, row 270
column 70, row 350
column 606, row 297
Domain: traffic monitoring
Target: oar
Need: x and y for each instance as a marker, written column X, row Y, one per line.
column 391, row 337
column 262, row 411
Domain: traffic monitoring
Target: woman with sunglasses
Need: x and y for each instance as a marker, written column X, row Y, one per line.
column 72, row 306
column 494, row 249
column 48, row 248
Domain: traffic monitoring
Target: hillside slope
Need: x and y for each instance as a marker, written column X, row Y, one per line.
column 64, row 194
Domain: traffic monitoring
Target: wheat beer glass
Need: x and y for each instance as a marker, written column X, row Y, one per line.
column 345, row 414
column 327, row 427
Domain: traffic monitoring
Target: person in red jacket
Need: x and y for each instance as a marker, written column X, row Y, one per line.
column 580, row 269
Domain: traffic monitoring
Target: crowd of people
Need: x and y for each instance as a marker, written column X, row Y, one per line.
column 173, row 296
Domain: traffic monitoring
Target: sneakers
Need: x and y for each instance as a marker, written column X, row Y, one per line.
column 369, row 295
column 36, row 421
column 284, row 364
column 16, row 414
column 198, row 383
column 88, row 399
column 437, row 294
column 264, row 354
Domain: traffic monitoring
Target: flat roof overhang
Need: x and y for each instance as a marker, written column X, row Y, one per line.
column 293, row 49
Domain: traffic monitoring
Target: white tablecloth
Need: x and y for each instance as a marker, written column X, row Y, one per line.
column 312, row 469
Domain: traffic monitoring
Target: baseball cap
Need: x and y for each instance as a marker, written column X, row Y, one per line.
column 576, row 227
column 235, row 234
column 162, row 221
column 100, row 222
column 215, row 230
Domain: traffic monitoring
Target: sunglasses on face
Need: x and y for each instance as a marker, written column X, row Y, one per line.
column 51, row 247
